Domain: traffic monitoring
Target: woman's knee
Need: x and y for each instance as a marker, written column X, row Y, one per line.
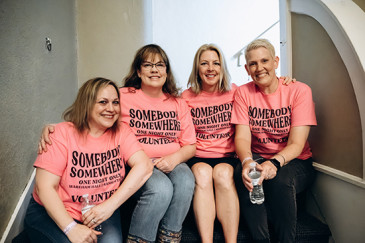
column 203, row 175
column 182, row 179
column 158, row 188
column 223, row 175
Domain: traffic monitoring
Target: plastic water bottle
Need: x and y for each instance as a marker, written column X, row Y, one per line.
column 257, row 194
column 86, row 206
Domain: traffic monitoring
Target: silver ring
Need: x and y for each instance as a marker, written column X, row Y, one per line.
column 93, row 220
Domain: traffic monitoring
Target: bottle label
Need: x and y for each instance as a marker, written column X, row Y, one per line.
column 255, row 177
column 86, row 208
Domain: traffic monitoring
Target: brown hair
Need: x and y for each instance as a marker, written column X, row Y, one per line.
column 79, row 112
column 132, row 79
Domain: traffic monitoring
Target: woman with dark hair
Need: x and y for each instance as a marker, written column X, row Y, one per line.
column 163, row 125
column 88, row 156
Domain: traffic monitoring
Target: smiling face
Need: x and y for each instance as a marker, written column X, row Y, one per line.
column 105, row 112
column 261, row 66
column 209, row 70
column 153, row 76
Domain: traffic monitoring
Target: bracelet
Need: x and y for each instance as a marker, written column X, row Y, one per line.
column 245, row 159
column 282, row 157
column 69, row 227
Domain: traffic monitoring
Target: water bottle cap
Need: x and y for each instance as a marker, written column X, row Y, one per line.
column 253, row 164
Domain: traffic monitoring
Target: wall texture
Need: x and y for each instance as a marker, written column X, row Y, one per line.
column 109, row 34
column 36, row 85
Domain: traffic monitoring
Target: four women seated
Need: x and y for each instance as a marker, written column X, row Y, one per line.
column 265, row 118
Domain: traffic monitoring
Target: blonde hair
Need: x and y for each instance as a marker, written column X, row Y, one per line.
column 79, row 112
column 195, row 81
column 255, row 44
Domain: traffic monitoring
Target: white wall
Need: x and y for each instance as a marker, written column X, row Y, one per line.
column 110, row 32
column 180, row 27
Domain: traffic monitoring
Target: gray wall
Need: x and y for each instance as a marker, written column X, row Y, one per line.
column 35, row 85
column 338, row 136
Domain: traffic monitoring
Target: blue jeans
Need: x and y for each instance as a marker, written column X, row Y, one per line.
column 280, row 201
column 41, row 228
column 164, row 202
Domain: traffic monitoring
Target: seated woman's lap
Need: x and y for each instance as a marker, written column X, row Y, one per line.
column 164, row 197
column 41, row 228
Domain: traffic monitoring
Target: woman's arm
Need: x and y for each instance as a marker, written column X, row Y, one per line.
column 46, row 186
column 167, row 163
column 141, row 170
column 187, row 141
column 297, row 138
column 242, row 143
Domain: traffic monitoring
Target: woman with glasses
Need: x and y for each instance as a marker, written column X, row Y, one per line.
column 163, row 125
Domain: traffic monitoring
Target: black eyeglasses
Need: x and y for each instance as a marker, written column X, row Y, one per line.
column 148, row 65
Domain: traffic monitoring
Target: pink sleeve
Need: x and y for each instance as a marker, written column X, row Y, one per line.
column 187, row 128
column 129, row 143
column 55, row 159
column 239, row 110
column 303, row 111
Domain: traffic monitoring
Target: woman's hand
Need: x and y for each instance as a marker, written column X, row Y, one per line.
column 166, row 164
column 287, row 80
column 44, row 140
column 97, row 214
column 268, row 171
column 81, row 233
column 246, row 178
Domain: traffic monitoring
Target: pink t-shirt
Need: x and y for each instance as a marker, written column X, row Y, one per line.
column 211, row 113
column 162, row 125
column 270, row 116
column 86, row 165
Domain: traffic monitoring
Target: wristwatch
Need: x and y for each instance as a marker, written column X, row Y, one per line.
column 276, row 163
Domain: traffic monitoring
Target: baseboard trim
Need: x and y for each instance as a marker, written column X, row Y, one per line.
column 340, row 175
column 15, row 225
